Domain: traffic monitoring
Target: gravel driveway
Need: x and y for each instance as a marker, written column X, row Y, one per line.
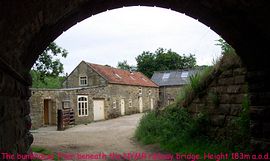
column 110, row 136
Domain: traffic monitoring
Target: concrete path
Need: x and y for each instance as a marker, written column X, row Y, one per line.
column 111, row 138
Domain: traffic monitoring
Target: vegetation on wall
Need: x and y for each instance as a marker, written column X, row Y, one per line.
column 176, row 130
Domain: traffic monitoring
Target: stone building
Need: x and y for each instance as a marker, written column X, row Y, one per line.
column 95, row 92
column 170, row 83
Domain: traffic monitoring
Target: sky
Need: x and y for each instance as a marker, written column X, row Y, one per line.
column 123, row 34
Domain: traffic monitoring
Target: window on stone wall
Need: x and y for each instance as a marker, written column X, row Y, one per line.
column 83, row 81
column 140, row 90
column 82, row 106
column 114, row 104
column 65, row 104
column 149, row 92
column 130, row 102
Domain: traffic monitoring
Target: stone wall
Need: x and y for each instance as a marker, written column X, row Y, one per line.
column 259, row 108
column 55, row 98
column 15, row 121
column 118, row 92
column 111, row 93
column 83, row 69
column 168, row 94
column 222, row 98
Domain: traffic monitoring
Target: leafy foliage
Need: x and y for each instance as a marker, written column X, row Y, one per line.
column 43, row 151
column 51, row 82
column 172, row 129
column 125, row 66
column 47, row 64
column 225, row 47
column 196, row 83
column 175, row 130
column 163, row 59
column 45, row 72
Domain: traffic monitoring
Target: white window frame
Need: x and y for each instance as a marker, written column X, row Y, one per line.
column 130, row 102
column 80, row 81
column 149, row 92
column 140, row 90
column 114, row 105
column 82, row 106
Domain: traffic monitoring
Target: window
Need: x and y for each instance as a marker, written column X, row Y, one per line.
column 165, row 76
column 82, row 105
column 83, row 81
column 130, row 102
column 149, row 92
column 140, row 90
column 65, row 104
column 184, row 74
column 114, row 104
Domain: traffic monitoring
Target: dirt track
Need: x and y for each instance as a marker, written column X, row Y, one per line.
column 110, row 136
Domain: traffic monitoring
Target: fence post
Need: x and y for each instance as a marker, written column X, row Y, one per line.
column 60, row 126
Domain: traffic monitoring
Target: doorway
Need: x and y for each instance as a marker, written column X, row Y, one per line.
column 140, row 104
column 122, row 106
column 98, row 110
column 46, row 112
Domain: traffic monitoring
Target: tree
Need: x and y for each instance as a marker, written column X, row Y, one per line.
column 47, row 64
column 146, row 63
column 124, row 65
column 48, row 82
column 45, row 72
column 163, row 59
column 225, row 47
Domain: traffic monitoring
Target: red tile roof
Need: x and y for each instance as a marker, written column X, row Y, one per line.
column 120, row 76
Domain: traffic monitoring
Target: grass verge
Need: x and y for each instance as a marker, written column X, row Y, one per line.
column 44, row 151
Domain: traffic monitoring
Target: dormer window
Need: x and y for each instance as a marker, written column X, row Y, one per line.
column 83, row 81
column 118, row 76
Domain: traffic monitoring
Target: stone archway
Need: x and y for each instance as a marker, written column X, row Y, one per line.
column 27, row 27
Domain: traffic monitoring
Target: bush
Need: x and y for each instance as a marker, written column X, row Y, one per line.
column 172, row 129
column 149, row 128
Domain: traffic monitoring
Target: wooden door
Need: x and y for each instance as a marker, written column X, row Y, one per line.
column 122, row 107
column 98, row 110
column 152, row 104
column 46, row 112
column 140, row 104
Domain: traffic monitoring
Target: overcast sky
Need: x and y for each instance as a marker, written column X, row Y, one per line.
column 124, row 33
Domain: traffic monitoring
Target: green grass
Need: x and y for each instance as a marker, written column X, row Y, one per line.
column 172, row 129
column 42, row 151
column 177, row 131
column 195, row 85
